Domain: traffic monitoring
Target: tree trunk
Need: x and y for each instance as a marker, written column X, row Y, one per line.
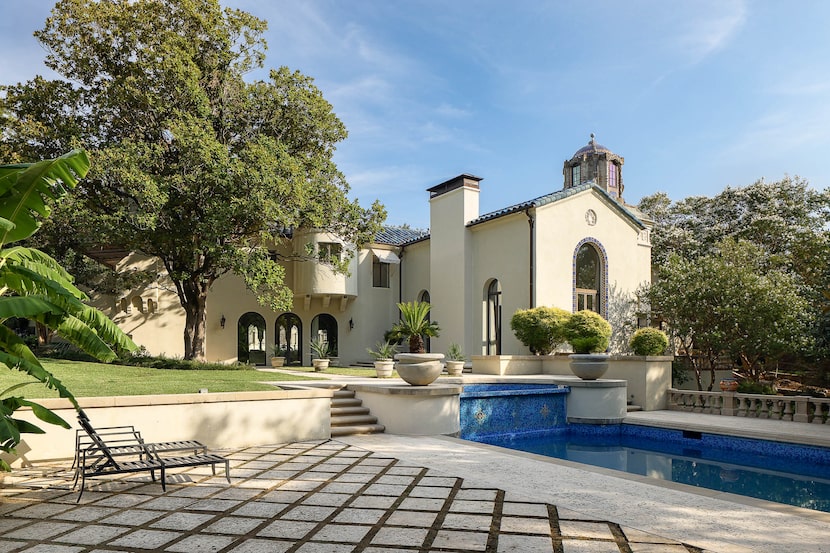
column 696, row 367
column 195, row 315
column 416, row 344
column 44, row 335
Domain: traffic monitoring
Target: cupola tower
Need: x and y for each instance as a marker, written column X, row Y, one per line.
column 595, row 163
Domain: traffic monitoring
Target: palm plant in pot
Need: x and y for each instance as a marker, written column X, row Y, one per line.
column 417, row 367
column 383, row 355
column 277, row 356
column 414, row 325
column 455, row 360
column 588, row 334
column 322, row 351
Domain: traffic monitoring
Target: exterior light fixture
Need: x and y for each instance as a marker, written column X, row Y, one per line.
column 222, row 321
column 351, row 324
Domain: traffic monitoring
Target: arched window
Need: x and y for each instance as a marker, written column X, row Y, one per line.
column 492, row 321
column 251, row 339
column 424, row 296
column 289, row 337
column 138, row 303
column 590, row 275
column 324, row 328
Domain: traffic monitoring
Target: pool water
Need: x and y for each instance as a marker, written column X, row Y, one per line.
column 784, row 473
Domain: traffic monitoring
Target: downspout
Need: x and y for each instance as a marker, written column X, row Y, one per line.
column 400, row 277
column 531, row 222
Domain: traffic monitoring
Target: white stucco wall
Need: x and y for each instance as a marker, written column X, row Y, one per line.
column 160, row 329
column 561, row 226
column 451, row 263
column 501, row 250
column 415, row 265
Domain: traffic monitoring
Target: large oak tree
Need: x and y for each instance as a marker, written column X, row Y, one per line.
column 193, row 164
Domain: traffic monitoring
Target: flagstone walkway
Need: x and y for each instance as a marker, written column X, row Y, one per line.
column 307, row 497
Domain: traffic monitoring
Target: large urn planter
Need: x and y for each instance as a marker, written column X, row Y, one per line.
column 384, row 367
column 277, row 361
column 320, row 364
column 419, row 369
column 589, row 366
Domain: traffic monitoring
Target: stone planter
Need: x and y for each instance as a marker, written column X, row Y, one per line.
column 589, row 366
column 455, row 368
column 729, row 385
column 384, row 367
column 277, row 361
column 320, row 364
column 419, row 369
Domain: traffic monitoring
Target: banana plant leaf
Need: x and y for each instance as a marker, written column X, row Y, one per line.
column 34, row 286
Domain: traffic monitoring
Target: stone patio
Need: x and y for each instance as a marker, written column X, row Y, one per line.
column 326, row 497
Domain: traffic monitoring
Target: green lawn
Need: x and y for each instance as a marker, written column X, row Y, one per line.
column 97, row 379
column 367, row 372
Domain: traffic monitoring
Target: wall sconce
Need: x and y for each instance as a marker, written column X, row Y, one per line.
column 351, row 324
column 222, row 321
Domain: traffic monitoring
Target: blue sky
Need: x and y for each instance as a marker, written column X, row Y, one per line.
column 696, row 95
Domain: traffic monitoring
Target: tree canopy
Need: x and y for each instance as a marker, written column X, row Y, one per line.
column 742, row 273
column 193, row 164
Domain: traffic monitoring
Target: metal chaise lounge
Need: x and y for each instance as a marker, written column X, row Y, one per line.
column 128, row 435
column 121, row 450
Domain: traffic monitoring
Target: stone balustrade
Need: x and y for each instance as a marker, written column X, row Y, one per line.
column 786, row 408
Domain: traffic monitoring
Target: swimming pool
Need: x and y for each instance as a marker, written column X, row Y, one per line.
column 784, row 473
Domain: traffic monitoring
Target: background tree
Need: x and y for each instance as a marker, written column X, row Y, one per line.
column 785, row 220
column 733, row 302
column 193, row 164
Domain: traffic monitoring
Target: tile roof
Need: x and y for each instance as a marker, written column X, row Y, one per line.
column 398, row 236
column 555, row 197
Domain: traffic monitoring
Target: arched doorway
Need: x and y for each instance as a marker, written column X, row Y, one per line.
column 251, row 339
column 589, row 277
column 492, row 320
column 324, row 328
column 289, row 338
column 424, row 297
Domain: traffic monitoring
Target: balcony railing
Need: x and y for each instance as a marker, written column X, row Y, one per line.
column 786, row 408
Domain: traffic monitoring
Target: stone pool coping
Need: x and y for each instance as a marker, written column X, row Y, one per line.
column 716, row 521
column 764, row 429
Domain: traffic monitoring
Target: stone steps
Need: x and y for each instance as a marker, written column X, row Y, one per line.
column 356, row 430
column 349, row 416
column 350, row 410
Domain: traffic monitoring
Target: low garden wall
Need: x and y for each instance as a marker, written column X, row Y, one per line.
column 412, row 410
column 219, row 420
column 648, row 378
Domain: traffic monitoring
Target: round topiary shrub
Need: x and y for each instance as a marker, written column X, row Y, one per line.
column 649, row 341
column 540, row 328
column 587, row 332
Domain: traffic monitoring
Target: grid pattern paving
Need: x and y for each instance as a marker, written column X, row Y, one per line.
column 306, row 497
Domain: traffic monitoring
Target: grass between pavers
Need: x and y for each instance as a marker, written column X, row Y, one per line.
column 98, row 379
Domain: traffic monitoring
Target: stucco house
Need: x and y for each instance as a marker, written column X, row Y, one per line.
column 568, row 249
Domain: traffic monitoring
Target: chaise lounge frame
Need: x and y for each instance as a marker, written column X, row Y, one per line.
column 122, row 450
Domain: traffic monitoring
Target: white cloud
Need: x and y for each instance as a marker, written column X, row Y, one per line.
column 718, row 25
column 448, row 110
column 782, row 132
